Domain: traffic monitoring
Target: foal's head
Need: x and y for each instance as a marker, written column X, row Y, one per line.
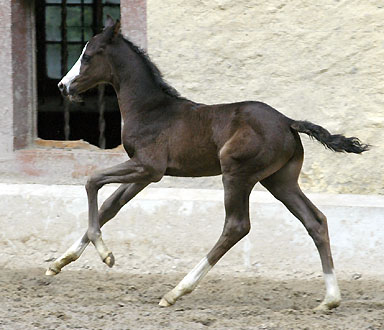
column 92, row 67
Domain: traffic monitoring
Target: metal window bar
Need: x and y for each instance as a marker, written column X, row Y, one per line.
column 101, row 88
column 64, row 65
column 96, row 27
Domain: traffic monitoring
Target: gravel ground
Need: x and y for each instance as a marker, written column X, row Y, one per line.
column 90, row 299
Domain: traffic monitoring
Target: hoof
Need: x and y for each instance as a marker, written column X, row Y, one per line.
column 109, row 260
column 326, row 306
column 168, row 299
column 51, row 272
column 164, row 303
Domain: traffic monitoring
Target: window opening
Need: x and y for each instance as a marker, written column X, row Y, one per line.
column 62, row 29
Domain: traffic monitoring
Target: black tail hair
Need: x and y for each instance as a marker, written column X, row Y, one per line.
column 336, row 142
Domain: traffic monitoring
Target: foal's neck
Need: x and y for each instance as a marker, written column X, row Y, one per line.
column 135, row 81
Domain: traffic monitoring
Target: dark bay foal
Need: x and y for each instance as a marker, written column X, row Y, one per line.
column 165, row 134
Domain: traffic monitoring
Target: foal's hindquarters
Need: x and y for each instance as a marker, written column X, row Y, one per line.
column 240, row 174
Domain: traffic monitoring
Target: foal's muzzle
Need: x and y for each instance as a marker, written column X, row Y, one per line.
column 63, row 89
column 71, row 94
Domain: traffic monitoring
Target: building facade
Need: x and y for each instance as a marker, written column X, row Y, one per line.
column 312, row 61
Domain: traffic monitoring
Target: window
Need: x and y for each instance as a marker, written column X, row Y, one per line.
column 62, row 29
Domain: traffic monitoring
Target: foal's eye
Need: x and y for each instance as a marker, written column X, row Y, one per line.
column 86, row 58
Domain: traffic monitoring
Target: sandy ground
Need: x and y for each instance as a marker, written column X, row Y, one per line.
column 81, row 298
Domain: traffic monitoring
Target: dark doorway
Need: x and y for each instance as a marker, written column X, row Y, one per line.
column 62, row 29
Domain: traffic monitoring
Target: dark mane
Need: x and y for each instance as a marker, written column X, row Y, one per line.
column 154, row 70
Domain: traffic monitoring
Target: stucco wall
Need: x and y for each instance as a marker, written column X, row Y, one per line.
column 319, row 61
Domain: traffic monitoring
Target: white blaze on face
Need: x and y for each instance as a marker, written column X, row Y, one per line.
column 74, row 72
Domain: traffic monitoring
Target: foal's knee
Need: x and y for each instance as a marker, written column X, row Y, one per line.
column 93, row 183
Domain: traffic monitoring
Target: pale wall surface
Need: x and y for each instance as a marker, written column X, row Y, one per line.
column 318, row 61
column 172, row 229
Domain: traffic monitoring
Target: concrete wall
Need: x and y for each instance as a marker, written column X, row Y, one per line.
column 172, row 229
column 318, row 61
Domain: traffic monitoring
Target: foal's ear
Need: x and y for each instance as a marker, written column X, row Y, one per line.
column 116, row 28
column 109, row 22
column 111, row 29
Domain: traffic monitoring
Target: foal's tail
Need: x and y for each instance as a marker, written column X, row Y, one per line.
column 336, row 142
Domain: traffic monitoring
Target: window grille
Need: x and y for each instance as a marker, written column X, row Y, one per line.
column 62, row 29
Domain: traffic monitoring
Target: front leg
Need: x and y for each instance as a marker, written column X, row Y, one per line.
column 108, row 210
column 131, row 171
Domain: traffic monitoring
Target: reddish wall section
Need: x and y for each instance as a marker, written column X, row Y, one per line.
column 134, row 21
column 23, row 86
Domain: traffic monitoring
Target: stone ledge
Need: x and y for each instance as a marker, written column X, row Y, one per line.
column 178, row 226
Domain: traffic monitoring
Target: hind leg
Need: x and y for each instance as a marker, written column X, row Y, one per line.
column 107, row 211
column 283, row 185
column 236, row 226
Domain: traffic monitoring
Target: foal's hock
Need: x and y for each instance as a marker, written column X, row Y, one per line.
column 166, row 134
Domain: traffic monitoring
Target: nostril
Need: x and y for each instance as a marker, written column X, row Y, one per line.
column 62, row 89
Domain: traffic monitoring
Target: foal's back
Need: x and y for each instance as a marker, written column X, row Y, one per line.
column 203, row 138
